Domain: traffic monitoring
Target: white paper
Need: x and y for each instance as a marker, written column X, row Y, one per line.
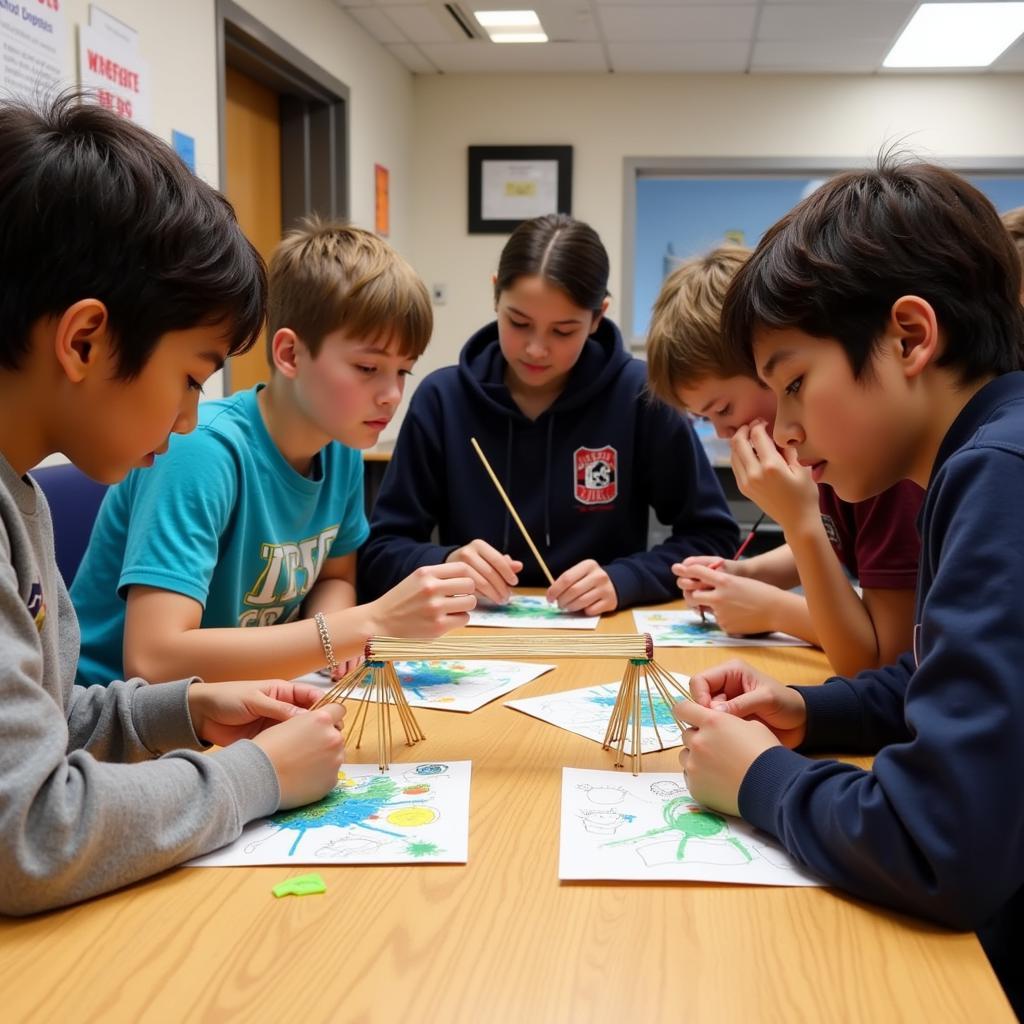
column 518, row 189
column 647, row 827
column 462, row 685
column 114, row 74
column 685, row 629
column 34, row 53
column 586, row 712
column 412, row 814
column 524, row 612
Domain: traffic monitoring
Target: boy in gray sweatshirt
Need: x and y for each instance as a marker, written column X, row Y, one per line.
column 125, row 282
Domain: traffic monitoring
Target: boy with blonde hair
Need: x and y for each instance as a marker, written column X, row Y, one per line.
column 255, row 518
column 691, row 365
column 127, row 282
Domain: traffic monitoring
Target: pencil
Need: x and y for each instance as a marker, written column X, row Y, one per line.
column 739, row 551
column 515, row 515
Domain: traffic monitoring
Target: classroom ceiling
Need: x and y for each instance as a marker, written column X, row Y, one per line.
column 756, row 36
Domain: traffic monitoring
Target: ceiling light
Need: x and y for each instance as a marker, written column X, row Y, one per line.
column 512, row 26
column 518, row 37
column 956, row 35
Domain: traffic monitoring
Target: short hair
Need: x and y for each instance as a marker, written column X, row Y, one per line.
column 1013, row 221
column 93, row 206
column 684, row 340
column 327, row 276
column 564, row 252
column 836, row 263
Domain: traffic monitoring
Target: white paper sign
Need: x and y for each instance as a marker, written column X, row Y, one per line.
column 518, row 190
column 34, row 59
column 114, row 74
column 411, row 814
column 647, row 827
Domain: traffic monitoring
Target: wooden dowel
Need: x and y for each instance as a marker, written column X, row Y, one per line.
column 511, row 645
column 515, row 515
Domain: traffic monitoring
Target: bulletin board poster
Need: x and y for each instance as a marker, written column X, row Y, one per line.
column 114, row 74
column 382, row 200
column 34, row 58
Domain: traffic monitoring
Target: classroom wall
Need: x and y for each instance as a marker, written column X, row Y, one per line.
column 609, row 117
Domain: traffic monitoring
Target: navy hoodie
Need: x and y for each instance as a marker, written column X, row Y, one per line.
column 582, row 476
column 937, row 826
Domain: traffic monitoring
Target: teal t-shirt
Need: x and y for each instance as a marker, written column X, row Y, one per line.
column 221, row 518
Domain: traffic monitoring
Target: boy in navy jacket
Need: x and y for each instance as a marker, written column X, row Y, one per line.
column 561, row 411
column 883, row 311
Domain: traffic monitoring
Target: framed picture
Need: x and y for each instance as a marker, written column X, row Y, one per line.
column 510, row 184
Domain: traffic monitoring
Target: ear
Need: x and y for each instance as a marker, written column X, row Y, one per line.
column 599, row 315
column 81, row 337
column 285, row 352
column 913, row 323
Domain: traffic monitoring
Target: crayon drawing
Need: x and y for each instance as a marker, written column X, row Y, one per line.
column 586, row 712
column 412, row 813
column 528, row 612
column 461, row 685
column 657, row 832
column 685, row 629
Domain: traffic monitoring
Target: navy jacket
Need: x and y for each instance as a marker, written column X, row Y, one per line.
column 582, row 476
column 937, row 827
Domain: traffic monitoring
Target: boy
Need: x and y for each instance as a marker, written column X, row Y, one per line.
column 690, row 365
column 127, row 282
column 254, row 519
column 883, row 312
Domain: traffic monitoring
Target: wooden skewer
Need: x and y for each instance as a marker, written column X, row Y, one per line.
column 545, row 645
column 515, row 515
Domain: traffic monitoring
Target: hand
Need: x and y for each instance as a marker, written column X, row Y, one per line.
column 740, row 606
column 493, row 573
column 224, row 712
column 690, row 584
column 586, row 588
column 346, row 666
column 718, row 752
column 306, row 753
column 775, row 482
column 743, row 692
column 427, row 603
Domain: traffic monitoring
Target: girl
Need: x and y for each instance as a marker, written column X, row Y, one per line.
column 560, row 409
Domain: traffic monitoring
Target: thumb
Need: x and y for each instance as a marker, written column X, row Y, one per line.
column 689, row 712
column 792, row 459
column 743, row 705
column 336, row 711
column 265, row 706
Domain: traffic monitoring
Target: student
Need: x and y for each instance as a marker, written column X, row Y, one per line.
column 559, row 409
column 1014, row 222
column 254, row 519
column 691, row 365
column 883, row 313
column 126, row 283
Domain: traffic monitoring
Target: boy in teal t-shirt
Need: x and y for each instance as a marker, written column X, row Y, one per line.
column 254, row 518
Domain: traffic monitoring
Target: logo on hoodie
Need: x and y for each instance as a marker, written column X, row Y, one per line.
column 596, row 475
column 36, row 605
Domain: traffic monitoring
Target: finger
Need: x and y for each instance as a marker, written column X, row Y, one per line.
column 576, row 592
column 600, row 607
column 458, row 586
column 265, row 706
column 335, row 712
column 488, row 583
column 689, row 712
column 304, row 695
column 747, row 705
column 708, row 577
column 570, row 577
column 763, row 446
column 588, row 595
column 458, row 604
column 744, row 461
column 498, row 565
column 451, row 571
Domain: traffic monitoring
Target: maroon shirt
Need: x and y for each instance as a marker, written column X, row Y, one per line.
column 877, row 539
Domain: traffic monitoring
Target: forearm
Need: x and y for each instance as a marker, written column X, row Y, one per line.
column 260, row 652
column 777, row 567
column 791, row 615
column 843, row 626
column 327, row 596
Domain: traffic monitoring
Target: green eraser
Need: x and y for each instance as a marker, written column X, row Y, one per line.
column 300, row 885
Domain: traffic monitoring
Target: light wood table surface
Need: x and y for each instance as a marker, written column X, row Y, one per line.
column 499, row 939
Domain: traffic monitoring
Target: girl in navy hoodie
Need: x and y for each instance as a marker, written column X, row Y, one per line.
column 561, row 411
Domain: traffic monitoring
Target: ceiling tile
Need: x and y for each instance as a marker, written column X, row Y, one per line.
column 377, row 23
column 511, row 57
column 422, row 24
column 666, row 24
column 412, row 58
column 840, row 56
column 847, row 21
column 679, row 57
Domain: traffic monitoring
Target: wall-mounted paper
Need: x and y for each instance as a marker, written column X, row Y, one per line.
column 586, row 712
column 647, row 828
column 524, row 612
column 411, row 814
column 685, row 629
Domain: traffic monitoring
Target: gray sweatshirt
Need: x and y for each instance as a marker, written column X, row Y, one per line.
column 95, row 788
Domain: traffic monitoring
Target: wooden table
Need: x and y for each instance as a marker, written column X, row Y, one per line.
column 499, row 939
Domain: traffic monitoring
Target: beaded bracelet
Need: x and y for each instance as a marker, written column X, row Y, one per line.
column 325, row 640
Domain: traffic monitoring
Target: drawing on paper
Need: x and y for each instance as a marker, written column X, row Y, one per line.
column 586, row 713
column 529, row 612
column 410, row 813
column 657, row 831
column 685, row 629
column 463, row 685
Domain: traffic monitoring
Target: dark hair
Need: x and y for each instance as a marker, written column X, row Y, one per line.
column 93, row 206
column 566, row 252
column 836, row 263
